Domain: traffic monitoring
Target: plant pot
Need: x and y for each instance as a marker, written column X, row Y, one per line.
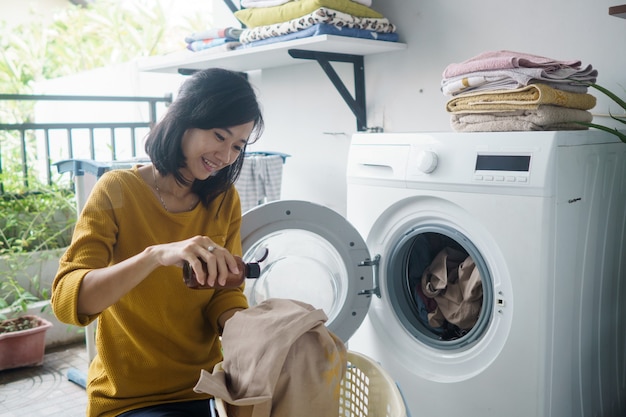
column 24, row 347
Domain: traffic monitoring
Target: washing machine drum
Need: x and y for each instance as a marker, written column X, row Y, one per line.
column 314, row 255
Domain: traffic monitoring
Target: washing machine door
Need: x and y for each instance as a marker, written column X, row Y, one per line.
column 315, row 256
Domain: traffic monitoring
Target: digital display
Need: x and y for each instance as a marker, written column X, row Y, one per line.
column 520, row 163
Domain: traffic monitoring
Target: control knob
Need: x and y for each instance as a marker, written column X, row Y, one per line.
column 427, row 161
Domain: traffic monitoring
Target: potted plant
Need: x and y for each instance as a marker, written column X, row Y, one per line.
column 614, row 131
column 22, row 337
column 22, row 341
column 35, row 229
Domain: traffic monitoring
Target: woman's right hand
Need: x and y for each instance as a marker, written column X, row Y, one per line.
column 103, row 287
column 196, row 251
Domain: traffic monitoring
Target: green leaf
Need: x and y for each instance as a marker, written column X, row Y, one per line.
column 613, row 131
column 610, row 94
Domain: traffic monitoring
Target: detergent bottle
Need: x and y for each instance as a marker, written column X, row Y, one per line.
column 250, row 270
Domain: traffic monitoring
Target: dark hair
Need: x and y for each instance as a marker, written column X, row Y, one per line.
column 209, row 99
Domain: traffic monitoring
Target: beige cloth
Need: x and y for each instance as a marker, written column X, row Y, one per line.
column 280, row 360
column 544, row 117
column 528, row 97
column 453, row 281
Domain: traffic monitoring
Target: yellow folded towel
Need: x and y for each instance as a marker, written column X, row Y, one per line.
column 529, row 97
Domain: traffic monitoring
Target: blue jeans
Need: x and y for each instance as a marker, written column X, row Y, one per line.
column 199, row 408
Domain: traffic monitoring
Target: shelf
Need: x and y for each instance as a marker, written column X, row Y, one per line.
column 323, row 48
column 265, row 56
column 618, row 11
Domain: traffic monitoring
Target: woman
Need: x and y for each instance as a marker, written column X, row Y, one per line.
column 135, row 232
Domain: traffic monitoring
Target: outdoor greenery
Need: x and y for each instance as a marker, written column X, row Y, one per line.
column 32, row 222
column 74, row 40
column 36, row 221
column 83, row 38
column 41, row 216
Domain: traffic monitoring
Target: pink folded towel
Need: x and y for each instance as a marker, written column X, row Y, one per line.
column 498, row 60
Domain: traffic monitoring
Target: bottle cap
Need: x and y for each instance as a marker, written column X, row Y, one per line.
column 253, row 270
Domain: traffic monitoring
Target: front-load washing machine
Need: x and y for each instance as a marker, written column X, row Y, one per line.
column 484, row 271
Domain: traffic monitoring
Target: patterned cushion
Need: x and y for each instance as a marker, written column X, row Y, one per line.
column 294, row 9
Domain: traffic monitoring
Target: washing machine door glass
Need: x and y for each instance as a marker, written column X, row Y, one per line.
column 314, row 255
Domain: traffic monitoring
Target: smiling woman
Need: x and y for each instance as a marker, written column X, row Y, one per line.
column 137, row 229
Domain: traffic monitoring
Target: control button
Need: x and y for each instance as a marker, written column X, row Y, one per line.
column 488, row 177
column 522, row 179
column 478, row 177
column 427, row 161
column 510, row 178
column 499, row 178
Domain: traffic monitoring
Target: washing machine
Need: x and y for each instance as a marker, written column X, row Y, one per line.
column 484, row 271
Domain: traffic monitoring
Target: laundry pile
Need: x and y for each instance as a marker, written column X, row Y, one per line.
column 271, row 21
column 511, row 91
column 447, row 288
column 221, row 38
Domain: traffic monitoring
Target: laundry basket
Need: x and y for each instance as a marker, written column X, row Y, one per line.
column 367, row 390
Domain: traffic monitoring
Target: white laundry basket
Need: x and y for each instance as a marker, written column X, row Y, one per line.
column 367, row 390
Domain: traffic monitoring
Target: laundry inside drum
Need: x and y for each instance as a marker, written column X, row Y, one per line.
column 438, row 289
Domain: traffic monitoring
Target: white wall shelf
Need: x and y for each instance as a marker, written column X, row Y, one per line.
column 265, row 56
column 323, row 49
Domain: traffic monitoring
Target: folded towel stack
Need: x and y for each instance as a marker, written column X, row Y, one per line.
column 513, row 91
column 222, row 38
column 270, row 21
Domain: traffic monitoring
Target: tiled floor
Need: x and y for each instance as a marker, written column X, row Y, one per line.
column 45, row 390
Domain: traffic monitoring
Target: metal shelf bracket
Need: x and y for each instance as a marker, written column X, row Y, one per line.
column 356, row 103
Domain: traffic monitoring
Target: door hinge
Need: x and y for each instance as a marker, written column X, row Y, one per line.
column 374, row 264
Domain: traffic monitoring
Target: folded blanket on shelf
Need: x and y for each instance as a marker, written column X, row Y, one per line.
column 495, row 60
column 224, row 47
column 249, row 4
column 528, row 97
column 321, row 15
column 210, row 43
column 325, row 29
column 294, row 9
column 228, row 33
column 568, row 79
column 544, row 117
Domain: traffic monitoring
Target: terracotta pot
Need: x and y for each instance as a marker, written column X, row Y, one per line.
column 24, row 347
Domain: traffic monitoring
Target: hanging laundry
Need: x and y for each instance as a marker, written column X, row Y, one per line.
column 260, row 180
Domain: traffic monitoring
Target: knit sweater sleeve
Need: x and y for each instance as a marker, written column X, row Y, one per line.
column 91, row 248
column 120, row 219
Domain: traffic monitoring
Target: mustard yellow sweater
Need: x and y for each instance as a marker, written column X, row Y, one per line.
column 152, row 343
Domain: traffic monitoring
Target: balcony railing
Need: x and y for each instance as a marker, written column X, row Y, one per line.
column 69, row 138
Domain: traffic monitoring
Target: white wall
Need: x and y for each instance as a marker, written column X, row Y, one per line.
column 301, row 105
column 306, row 117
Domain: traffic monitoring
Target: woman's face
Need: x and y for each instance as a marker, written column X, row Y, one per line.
column 208, row 151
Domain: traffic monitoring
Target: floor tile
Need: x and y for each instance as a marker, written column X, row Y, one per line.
column 45, row 390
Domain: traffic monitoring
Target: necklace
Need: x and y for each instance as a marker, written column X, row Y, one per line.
column 156, row 187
